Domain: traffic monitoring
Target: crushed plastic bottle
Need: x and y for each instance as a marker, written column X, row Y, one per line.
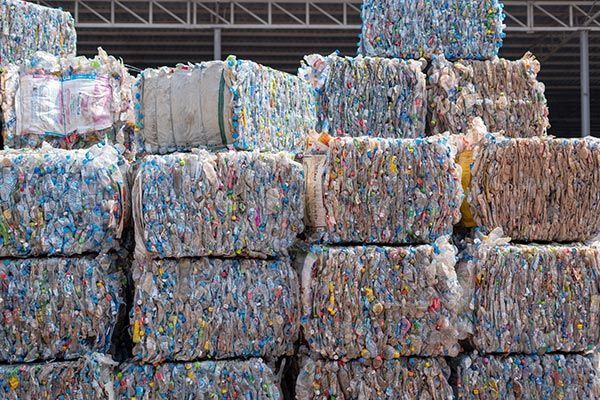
column 414, row 29
column 69, row 102
column 552, row 376
column 382, row 191
column 190, row 309
column 58, row 307
column 404, row 379
column 505, row 94
column 63, row 202
column 367, row 96
column 234, row 103
column 26, row 27
column 251, row 379
column 225, row 204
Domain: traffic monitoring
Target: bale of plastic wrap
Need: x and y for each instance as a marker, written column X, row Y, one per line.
column 232, row 103
column 27, row 27
column 69, row 102
column 414, row 29
column 251, row 379
column 552, row 376
column 58, row 307
column 368, row 96
column 382, row 191
column 532, row 298
column 537, row 189
column 88, row 378
column 505, row 94
column 404, row 378
column 382, row 302
column 225, row 204
column 62, row 202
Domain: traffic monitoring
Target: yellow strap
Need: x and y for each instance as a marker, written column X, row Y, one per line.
column 465, row 159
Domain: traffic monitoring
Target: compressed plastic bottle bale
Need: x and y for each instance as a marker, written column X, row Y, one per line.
column 232, row 103
column 401, row 379
column 367, row 96
column 224, row 204
column 382, row 302
column 414, row 29
column 27, row 27
column 537, row 189
column 552, row 376
column 58, row 307
column 69, row 102
column 64, row 202
column 382, row 191
column 505, row 94
column 191, row 309
column 88, row 378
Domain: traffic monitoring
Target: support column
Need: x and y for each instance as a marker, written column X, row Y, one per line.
column 217, row 44
column 584, row 62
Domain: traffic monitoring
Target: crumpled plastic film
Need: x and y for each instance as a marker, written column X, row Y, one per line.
column 251, row 379
column 69, row 102
column 65, row 202
column 58, row 307
column 552, row 376
column 382, row 191
column 88, row 378
column 533, row 298
column 191, row 309
column 505, row 94
column 382, row 302
column 414, row 29
column 367, row 96
column 234, row 103
column 401, row 379
column 537, row 189
column 27, row 27
column 224, row 204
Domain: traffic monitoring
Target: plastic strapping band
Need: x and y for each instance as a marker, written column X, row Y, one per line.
column 221, row 107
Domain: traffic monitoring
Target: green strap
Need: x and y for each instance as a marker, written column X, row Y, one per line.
column 221, row 108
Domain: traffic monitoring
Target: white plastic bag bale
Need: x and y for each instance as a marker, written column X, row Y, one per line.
column 251, row 379
column 404, row 378
column 382, row 302
column 368, row 96
column 537, row 189
column 28, row 27
column 533, row 298
column 224, row 204
column 232, row 103
column 62, row 202
column 58, row 307
column 414, row 29
column 88, row 378
column 382, row 191
column 191, row 309
column 552, row 376
column 69, row 102
column 505, row 94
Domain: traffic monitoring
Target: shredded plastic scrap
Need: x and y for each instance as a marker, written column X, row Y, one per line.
column 382, row 191
column 58, row 307
column 401, row 379
column 88, row 378
column 62, row 202
column 533, row 298
column 27, row 27
column 235, row 103
column 552, row 376
column 70, row 102
column 415, row 29
column 382, row 302
column 367, row 96
column 537, row 189
column 505, row 94
column 251, row 379
column 224, row 204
